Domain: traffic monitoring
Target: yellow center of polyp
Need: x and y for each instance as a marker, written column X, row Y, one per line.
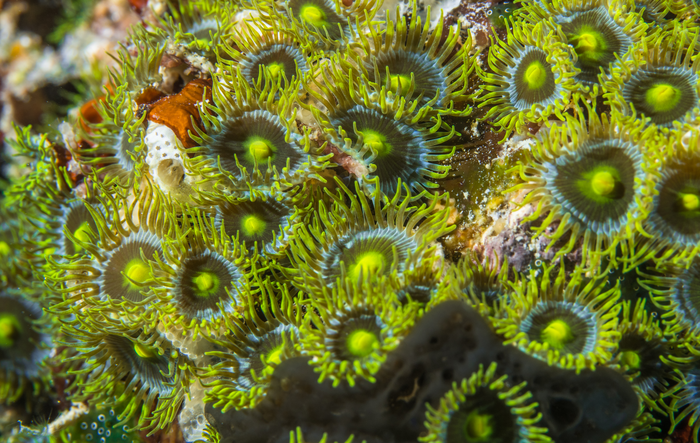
column 535, row 75
column 313, row 14
column 690, row 201
column 557, row 333
column 259, row 150
column 402, row 80
column 630, row 359
column 587, row 42
column 361, row 343
column 274, row 69
column 137, row 271
column 4, row 248
column 81, row 234
column 369, row 262
column 144, row 351
column 663, row 97
column 253, row 225
column 603, row 183
column 477, row 427
column 9, row 326
column 275, row 356
column 206, row 283
column 377, row 142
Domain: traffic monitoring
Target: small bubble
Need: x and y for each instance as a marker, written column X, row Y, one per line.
column 125, row 428
column 488, row 13
column 88, row 437
column 111, row 412
column 101, row 417
column 83, row 426
column 538, row 263
column 93, row 426
column 100, row 431
column 103, row 440
column 636, row 288
column 108, row 433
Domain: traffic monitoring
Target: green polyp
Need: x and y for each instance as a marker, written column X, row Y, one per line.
column 361, row 343
column 275, row 69
column 366, row 263
column 589, row 43
column 81, row 234
column 9, row 329
column 478, row 427
column 600, row 184
column 603, row 183
column 535, row 75
column 136, row 271
column 258, row 150
column 313, row 14
column 144, row 351
column 630, row 359
column 253, row 225
column 557, row 334
column 377, row 142
column 396, row 80
column 206, row 283
column 5, row 248
column 275, row 356
column 663, row 97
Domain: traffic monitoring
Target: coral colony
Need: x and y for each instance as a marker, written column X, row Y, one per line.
column 259, row 227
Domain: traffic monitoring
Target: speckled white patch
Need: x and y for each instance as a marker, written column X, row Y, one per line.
column 162, row 144
column 192, row 420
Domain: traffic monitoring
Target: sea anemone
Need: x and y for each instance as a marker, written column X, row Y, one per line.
column 569, row 324
column 252, row 348
column 671, row 232
column 685, row 404
column 662, row 87
column 676, row 290
column 272, row 51
column 328, row 24
column 23, row 347
column 421, row 284
column 198, row 281
column 349, row 330
column 592, row 178
column 62, row 222
column 409, row 60
column 643, row 353
column 248, row 134
column 482, row 285
column 115, row 270
column 485, row 407
column 389, row 139
column 532, row 78
column 130, row 364
column 199, row 25
column 362, row 239
column 261, row 220
column 113, row 147
column 598, row 31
